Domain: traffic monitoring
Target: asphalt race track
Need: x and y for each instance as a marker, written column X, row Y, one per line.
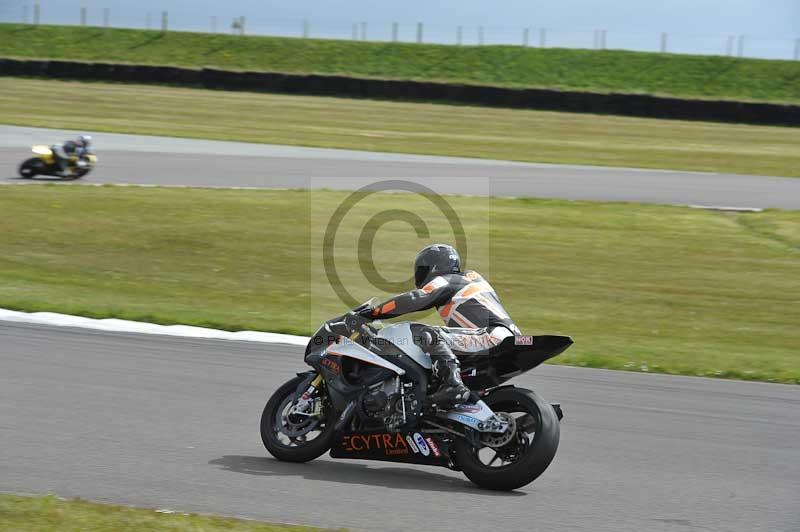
column 173, row 423
column 136, row 159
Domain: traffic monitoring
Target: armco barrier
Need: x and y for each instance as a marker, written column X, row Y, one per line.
column 571, row 101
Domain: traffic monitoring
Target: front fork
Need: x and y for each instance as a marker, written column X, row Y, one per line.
column 304, row 404
column 311, row 383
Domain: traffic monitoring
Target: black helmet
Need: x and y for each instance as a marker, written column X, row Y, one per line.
column 434, row 260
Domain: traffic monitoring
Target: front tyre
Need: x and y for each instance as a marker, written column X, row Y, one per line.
column 500, row 463
column 294, row 435
column 81, row 171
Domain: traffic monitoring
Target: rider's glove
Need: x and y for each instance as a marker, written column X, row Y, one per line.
column 368, row 313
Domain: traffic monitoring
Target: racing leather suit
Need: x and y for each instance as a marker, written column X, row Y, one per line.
column 62, row 153
column 476, row 321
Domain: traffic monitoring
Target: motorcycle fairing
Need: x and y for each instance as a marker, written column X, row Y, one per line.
column 410, row 447
column 401, row 336
column 44, row 153
column 514, row 355
column 354, row 350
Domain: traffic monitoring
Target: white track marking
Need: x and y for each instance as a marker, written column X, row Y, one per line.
column 724, row 208
column 127, row 326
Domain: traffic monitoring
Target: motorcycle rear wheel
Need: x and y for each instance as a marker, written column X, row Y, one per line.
column 298, row 448
column 30, row 167
column 523, row 459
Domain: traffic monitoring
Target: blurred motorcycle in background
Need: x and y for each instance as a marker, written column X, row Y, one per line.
column 46, row 163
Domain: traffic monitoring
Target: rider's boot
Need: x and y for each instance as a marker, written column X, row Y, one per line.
column 63, row 166
column 446, row 370
column 452, row 391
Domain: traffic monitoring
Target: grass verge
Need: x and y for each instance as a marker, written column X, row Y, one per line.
column 402, row 127
column 690, row 76
column 639, row 287
column 34, row 514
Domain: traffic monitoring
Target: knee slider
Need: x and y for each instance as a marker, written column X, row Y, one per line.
column 428, row 337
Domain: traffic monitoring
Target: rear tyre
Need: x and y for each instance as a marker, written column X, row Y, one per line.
column 521, row 460
column 291, row 437
column 30, row 168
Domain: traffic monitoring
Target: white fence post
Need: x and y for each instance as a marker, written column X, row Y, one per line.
column 36, row 14
column 395, row 31
column 740, row 47
column 106, row 16
column 480, row 35
column 663, row 43
column 164, row 21
column 306, row 28
column 213, row 21
column 729, row 46
column 363, row 31
column 459, row 35
column 419, row 32
column 542, row 38
column 83, row 16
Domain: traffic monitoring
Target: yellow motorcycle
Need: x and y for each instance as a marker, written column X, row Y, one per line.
column 45, row 163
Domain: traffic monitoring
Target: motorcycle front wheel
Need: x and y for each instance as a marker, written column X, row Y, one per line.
column 81, row 171
column 508, row 462
column 295, row 436
column 76, row 174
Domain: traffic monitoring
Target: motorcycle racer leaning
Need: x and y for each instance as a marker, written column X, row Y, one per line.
column 469, row 306
column 62, row 152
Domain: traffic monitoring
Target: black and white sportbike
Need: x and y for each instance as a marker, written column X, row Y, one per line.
column 366, row 398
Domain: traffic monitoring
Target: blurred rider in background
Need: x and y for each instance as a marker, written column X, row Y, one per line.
column 72, row 148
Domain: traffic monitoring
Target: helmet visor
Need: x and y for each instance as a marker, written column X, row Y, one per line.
column 421, row 274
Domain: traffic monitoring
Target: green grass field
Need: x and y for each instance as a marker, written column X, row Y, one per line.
column 585, row 70
column 37, row 514
column 402, row 127
column 639, row 287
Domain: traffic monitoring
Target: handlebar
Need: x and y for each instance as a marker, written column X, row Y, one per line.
column 352, row 322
